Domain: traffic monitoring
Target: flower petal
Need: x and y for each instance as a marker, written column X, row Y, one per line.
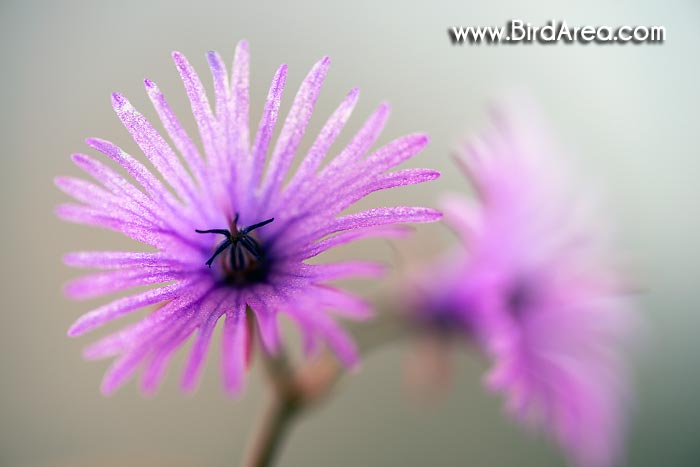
column 352, row 235
column 324, row 140
column 117, row 308
column 266, row 128
column 266, row 319
column 294, row 128
column 182, row 141
column 138, row 171
column 344, row 270
column 155, row 148
column 190, row 377
column 233, row 350
column 184, row 307
column 365, row 219
column 118, row 259
column 97, row 285
column 201, row 110
column 360, row 144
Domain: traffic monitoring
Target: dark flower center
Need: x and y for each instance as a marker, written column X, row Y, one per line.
column 246, row 256
column 520, row 297
column 444, row 316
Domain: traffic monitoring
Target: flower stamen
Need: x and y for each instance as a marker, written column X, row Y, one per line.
column 240, row 241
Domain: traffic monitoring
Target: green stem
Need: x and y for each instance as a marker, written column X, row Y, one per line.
column 293, row 391
column 285, row 404
column 267, row 443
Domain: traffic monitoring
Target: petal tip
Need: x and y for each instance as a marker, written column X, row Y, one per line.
column 108, row 387
column 233, row 389
column 212, row 56
column 68, row 259
column 79, row 159
column 91, row 353
column 188, row 387
column 60, row 181
column 119, row 102
column 75, row 330
column 101, row 145
column 243, row 45
column 179, row 59
column 68, row 291
column 92, row 142
column 354, row 367
column 80, row 327
column 149, row 392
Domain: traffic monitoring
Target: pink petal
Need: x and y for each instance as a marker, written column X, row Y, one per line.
column 155, row 148
column 120, row 307
column 324, row 140
column 97, row 285
column 352, row 235
column 266, row 127
column 294, row 127
column 194, row 364
column 233, row 350
column 182, row 141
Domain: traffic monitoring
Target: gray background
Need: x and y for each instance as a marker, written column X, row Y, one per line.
column 628, row 112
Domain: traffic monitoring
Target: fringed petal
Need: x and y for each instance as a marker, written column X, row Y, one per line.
column 155, row 148
column 120, row 307
column 294, row 128
column 233, row 350
column 324, row 140
column 97, row 285
column 266, row 128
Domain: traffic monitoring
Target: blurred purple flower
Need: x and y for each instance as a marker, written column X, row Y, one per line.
column 537, row 290
column 230, row 237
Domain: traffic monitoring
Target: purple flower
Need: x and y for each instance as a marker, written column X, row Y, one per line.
column 229, row 237
column 536, row 289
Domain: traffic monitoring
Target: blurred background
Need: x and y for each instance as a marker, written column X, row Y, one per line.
column 629, row 113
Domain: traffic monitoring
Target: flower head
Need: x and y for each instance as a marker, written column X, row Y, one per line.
column 536, row 289
column 230, row 236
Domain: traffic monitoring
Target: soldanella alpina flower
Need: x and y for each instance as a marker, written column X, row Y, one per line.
column 535, row 286
column 230, row 229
